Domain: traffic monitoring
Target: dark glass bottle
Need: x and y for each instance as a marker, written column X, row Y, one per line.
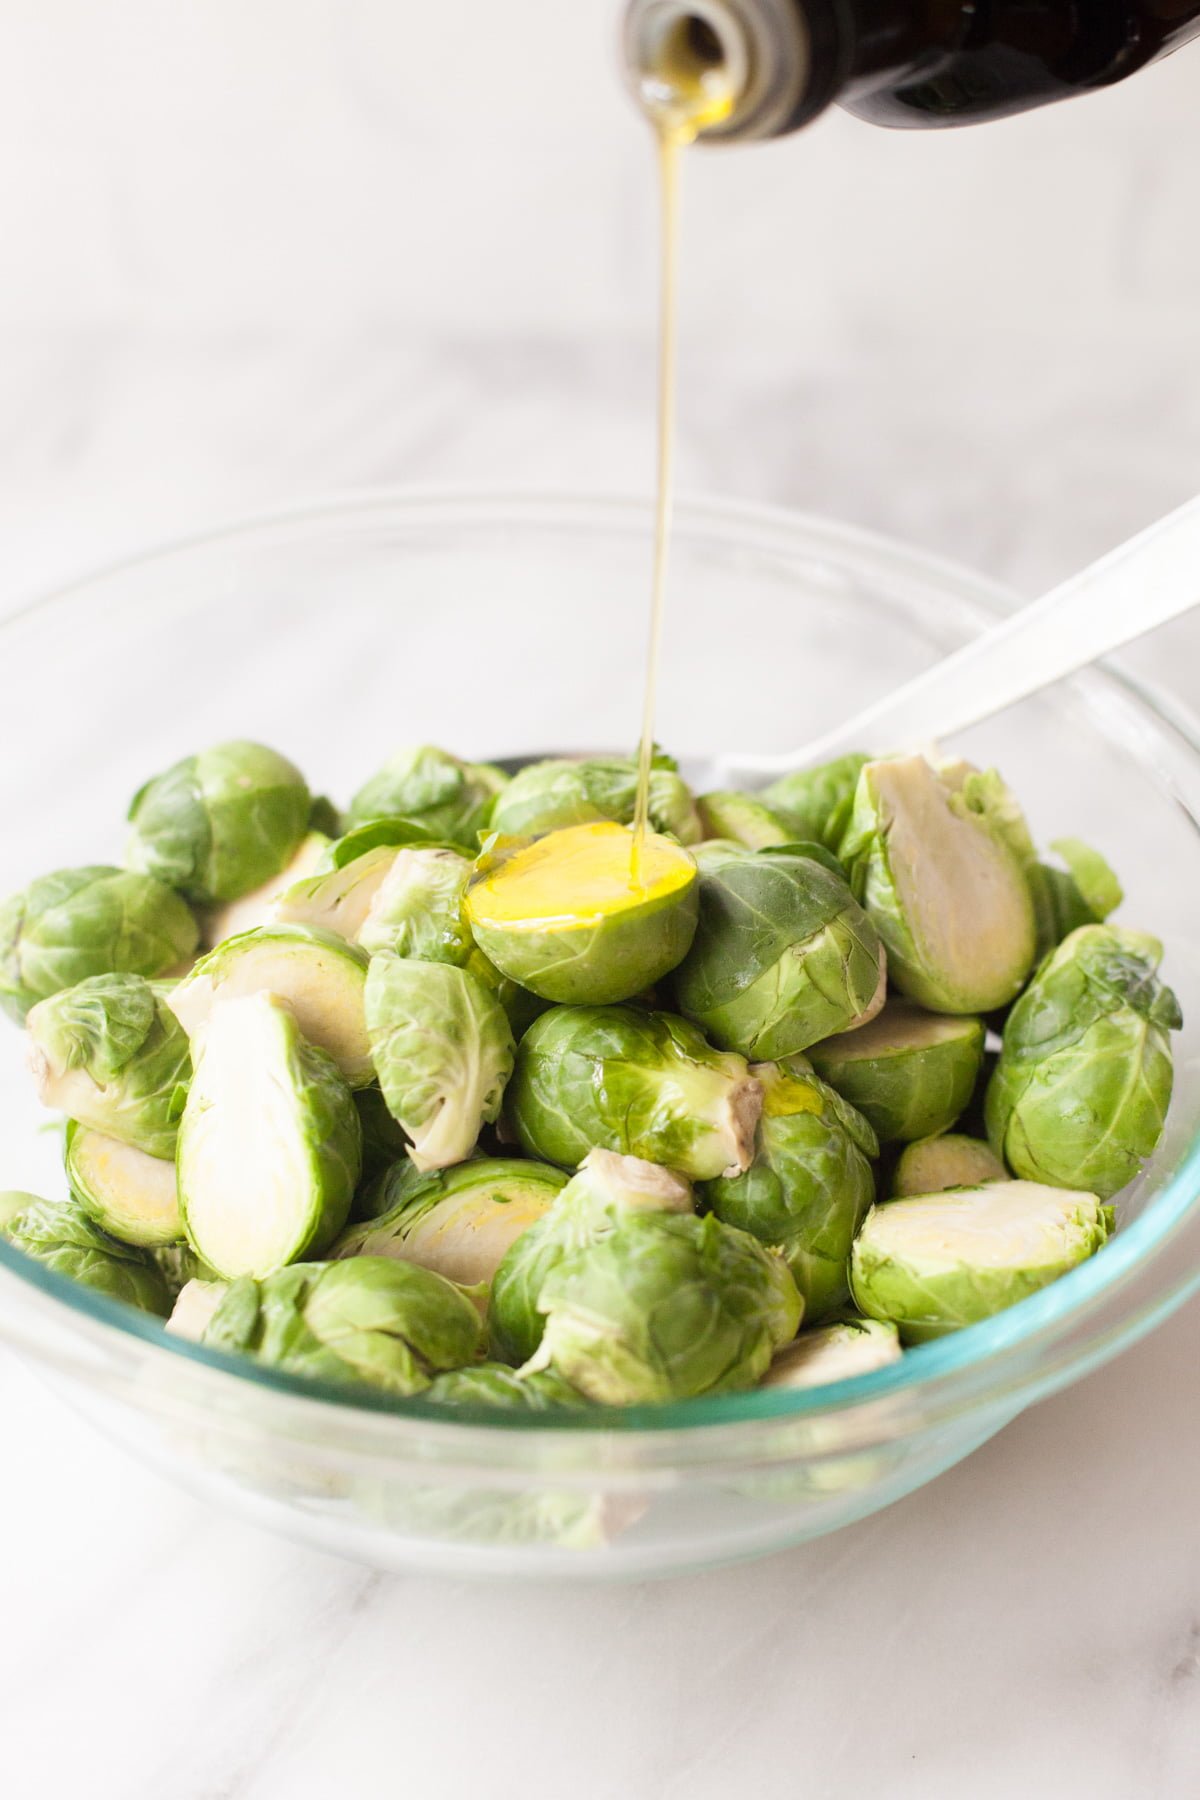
column 894, row 62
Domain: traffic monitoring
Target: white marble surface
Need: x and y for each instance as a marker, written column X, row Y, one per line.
column 247, row 260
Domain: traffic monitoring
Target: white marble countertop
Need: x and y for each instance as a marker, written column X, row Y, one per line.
column 1030, row 1624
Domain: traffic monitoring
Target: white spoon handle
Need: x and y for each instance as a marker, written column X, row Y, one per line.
column 1145, row 582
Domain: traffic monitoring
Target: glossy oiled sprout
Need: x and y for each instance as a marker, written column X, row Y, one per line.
column 448, row 798
column 458, row 1222
column 60, row 1234
column 547, row 796
column 910, row 1073
column 219, row 824
column 389, row 1324
column 111, row 1054
column 270, row 1145
column 949, row 1161
column 605, row 1187
column 320, row 976
column 128, row 1193
column 564, row 917
column 936, row 1262
column 665, row 1307
column 835, row 1353
column 809, row 1186
column 1081, row 1090
column 783, row 954
column 814, row 804
column 645, row 1084
column 443, row 1052
column 76, row 923
column 934, row 865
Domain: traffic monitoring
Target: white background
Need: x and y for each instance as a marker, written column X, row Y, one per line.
column 254, row 252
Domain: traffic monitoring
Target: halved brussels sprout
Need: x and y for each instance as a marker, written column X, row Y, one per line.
column 389, row 1324
column 737, row 818
column 1082, row 893
column 76, row 923
column 949, row 1160
column 110, row 1053
column 783, row 954
column 605, row 1187
column 910, row 1073
column 418, row 910
column 219, row 824
column 459, row 1222
column 131, row 1195
column 337, row 900
column 449, row 798
column 60, row 1234
column 809, row 1186
column 548, row 796
column 935, row 1262
column 835, row 1353
column 321, row 976
column 814, row 804
column 443, row 1051
column 195, row 1304
column 383, row 1139
column 389, row 833
column 270, row 1147
column 642, row 1083
column 495, row 1384
column 564, row 917
column 936, row 870
column 1080, row 1093
column 179, row 1264
column 665, row 1307
column 258, row 907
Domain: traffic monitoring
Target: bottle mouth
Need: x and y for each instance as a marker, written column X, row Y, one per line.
column 717, row 69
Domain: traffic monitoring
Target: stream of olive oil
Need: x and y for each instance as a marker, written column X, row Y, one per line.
column 693, row 94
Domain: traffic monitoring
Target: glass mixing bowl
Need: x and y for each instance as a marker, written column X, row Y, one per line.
column 502, row 625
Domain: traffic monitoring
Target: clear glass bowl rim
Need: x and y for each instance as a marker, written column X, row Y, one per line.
column 964, row 1370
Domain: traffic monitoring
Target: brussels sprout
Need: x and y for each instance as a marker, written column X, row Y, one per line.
column 195, row 1304
column 521, row 1007
column 337, row 900
column 219, row 824
column 548, row 796
column 1081, row 1090
column 270, row 1146
column 643, row 1083
column 178, row 1264
column 809, row 1186
column 564, row 916
column 816, row 803
column 62, row 1236
column 131, row 1195
column 783, row 954
column 443, row 1051
column 1084, row 893
column 736, row 818
column 258, row 907
column 111, row 1054
column 950, row 1160
column 370, row 1319
column 452, row 799
column 458, row 1222
column 13, row 1203
column 321, row 977
column 383, row 1140
column 835, row 1353
column 76, row 923
column 934, row 1262
column 391, row 833
column 605, row 1187
column 665, row 1307
column 495, row 1384
column 936, row 869
column 910, row 1073
column 418, row 910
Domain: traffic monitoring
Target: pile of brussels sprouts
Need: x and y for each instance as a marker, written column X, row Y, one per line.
column 433, row 1097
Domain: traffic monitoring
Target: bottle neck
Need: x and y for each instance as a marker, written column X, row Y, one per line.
column 738, row 70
